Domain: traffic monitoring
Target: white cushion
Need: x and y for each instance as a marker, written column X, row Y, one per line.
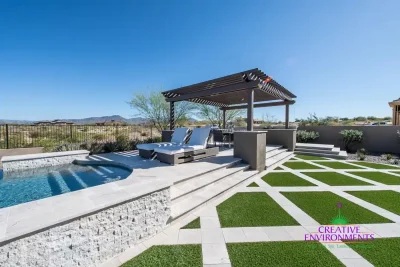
column 152, row 146
column 199, row 136
column 179, row 135
column 170, row 150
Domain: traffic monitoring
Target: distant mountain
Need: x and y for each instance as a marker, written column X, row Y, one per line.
column 90, row 120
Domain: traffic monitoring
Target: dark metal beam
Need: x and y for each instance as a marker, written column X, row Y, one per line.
column 214, row 91
column 287, row 117
column 250, row 111
column 223, row 118
column 171, row 115
column 263, row 105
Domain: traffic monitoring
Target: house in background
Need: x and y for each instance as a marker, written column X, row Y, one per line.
column 54, row 122
column 395, row 105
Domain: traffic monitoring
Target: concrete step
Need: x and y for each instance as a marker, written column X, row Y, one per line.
column 275, row 153
column 200, row 197
column 189, row 186
column 271, row 148
column 314, row 146
column 341, row 155
column 235, row 161
column 278, row 159
column 334, row 151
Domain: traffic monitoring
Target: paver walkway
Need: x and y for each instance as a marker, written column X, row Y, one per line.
column 213, row 238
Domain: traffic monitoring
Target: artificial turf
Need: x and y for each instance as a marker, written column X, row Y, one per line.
column 338, row 165
column 382, row 252
column 293, row 253
column 308, row 157
column 375, row 165
column 386, row 199
column 177, row 255
column 300, row 165
column 252, row 209
column 253, row 184
column 322, row 206
column 278, row 168
column 285, row 179
column 195, row 224
column 380, row 177
column 334, row 178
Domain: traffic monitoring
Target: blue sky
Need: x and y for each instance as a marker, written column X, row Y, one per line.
column 75, row 59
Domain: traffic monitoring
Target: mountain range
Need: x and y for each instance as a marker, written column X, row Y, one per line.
column 89, row 120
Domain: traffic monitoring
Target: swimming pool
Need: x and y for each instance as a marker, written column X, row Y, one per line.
column 33, row 184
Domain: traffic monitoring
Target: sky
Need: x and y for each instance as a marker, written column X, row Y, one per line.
column 74, row 59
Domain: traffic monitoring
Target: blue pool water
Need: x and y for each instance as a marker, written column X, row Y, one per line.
column 28, row 185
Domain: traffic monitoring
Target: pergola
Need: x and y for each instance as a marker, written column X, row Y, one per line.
column 247, row 89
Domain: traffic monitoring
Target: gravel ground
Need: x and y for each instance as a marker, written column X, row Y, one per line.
column 374, row 157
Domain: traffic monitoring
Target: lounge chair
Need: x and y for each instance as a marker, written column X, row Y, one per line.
column 195, row 149
column 179, row 137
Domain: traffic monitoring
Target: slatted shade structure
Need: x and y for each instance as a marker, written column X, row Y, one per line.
column 236, row 91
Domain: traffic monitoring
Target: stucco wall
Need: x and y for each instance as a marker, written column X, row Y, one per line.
column 383, row 139
column 92, row 239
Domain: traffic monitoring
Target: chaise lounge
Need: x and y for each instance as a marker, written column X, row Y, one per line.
column 195, row 149
column 179, row 137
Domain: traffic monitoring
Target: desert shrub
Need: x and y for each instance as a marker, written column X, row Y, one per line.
column 388, row 157
column 362, row 151
column 99, row 137
column 396, row 162
column 48, row 144
column 361, row 156
column 303, row 136
column 350, row 138
column 122, row 142
column 34, row 134
column 143, row 134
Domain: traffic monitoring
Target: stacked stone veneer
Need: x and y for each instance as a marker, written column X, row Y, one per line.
column 93, row 239
column 13, row 163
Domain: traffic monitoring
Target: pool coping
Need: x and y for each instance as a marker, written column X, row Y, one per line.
column 44, row 155
column 29, row 218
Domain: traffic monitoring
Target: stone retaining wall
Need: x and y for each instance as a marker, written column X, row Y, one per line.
column 22, row 162
column 92, row 239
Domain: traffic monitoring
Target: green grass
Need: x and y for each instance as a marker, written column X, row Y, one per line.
column 177, row 255
column 195, row 224
column 375, row 165
column 278, row 169
column 285, row 179
column 322, row 206
column 252, row 209
column 386, row 199
column 383, row 252
column 253, row 184
column 334, row 178
column 338, row 165
column 308, row 157
column 294, row 253
column 380, row 177
column 300, row 165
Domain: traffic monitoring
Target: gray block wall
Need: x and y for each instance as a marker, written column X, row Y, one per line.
column 382, row 139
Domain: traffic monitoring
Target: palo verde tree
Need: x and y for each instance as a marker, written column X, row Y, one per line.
column 155, row 109
column 214, row 115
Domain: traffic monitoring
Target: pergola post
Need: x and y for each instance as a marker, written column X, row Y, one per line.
column 287, row 116
column 171, row 115
column 224, row 118
column 250, row 109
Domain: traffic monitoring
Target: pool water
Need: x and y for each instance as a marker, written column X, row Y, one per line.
column 28, row 185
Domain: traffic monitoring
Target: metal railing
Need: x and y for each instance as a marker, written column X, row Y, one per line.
column 21, row 136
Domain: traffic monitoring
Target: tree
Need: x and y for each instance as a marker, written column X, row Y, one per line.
column 155, row 109
column 214, row 115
